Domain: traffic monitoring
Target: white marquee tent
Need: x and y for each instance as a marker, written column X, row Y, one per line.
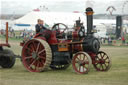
column 50, row 18
column 29, row 20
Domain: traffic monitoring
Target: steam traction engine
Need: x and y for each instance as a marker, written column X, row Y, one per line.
column 59, row 47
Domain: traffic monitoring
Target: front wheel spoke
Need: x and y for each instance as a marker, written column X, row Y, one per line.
column 83, row 58
column 102, row 66
column 78, row 59
column 95, row 63
column 106, row 58
column 107, row 61
column 103, row 56
column 86, row 62
column 98, row 58
column 85, row 67
column 105, row 65
column 79, row 68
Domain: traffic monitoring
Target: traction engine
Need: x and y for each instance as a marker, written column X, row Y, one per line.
column 61, row 46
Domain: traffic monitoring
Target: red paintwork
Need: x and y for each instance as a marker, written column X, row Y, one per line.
column 8, row 45
column 75, row 34
column 53, row 38
column 92, row 55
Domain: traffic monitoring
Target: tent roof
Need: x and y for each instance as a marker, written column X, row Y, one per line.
column 51, row 18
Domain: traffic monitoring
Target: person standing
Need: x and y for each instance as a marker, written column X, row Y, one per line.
column 123, row 40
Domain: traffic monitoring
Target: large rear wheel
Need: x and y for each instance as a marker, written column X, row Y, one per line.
column 36, row 55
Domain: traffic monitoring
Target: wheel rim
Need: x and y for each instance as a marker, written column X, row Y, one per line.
column 102, row 62
column 34, row 56
column 81, row 63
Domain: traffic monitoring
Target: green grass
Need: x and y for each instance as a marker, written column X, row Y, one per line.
column 11, row 38
column 117, row 75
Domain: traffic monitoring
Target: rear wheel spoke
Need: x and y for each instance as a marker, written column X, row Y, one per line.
column 34, row 46
column 41, row 51
column 28, row 57
column 32, row 63
column 29, row 49
column 37, row 47
column 42, row 57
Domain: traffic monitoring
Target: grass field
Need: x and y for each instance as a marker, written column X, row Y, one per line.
column 117, row 75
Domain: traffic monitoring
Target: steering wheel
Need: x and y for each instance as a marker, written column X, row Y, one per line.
column 60, row 27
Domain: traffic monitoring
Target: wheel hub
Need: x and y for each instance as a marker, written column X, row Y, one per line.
column 81, row 63
column 34, row 55
column 102, row 61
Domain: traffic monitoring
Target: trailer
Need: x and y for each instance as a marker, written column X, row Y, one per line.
column 7, row 57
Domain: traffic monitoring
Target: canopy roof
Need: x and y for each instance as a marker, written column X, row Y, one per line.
column 51, row 18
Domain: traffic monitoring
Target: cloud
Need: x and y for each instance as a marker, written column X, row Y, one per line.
column 24, row 6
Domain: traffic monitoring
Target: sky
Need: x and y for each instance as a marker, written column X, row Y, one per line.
column 25, row 6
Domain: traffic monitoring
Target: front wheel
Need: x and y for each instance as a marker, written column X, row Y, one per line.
column 81, row 62
column 102, row 61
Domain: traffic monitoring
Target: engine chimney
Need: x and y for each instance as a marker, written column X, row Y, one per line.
column 89, row 13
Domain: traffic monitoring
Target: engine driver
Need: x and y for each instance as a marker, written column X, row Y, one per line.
column 40, row 26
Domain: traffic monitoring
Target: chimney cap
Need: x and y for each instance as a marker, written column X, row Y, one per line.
column 89, row 9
